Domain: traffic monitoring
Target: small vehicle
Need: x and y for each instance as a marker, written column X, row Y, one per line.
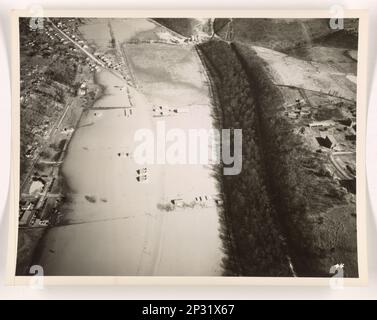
column 142, row 178
column 32, row 221
column 142, row 171
column 44, row 223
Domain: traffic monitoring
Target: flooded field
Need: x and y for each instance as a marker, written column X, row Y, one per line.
column 114, row 224
column 176, row 80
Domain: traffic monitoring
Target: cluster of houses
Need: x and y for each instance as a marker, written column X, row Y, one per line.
column 30, row 207
column 41, row 130
column 31, row 75
column 28, row 216
column 297, row 110
column 34, row 83
column 334, row 134
column 32, row 204
column 162, row 111
column 142, row 175
column 31, row 150
column 58, row 42
column 108, row 61
column 27, row 213
column 203, row 200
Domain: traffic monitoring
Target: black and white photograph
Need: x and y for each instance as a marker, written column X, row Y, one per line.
column 223, row 147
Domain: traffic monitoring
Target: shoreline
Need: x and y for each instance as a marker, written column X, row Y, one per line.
column 60, row 247
column 61, row 185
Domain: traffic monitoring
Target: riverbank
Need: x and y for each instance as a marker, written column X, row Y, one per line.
column 31, row 237
column 114, row 224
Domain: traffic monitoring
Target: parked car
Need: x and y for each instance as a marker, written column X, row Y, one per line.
column 44, row 223
column 142, row 178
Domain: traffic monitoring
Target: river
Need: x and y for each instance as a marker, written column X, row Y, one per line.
column 114, row 225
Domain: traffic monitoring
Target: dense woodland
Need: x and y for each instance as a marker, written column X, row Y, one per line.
column 304, row 193
column 275, row 207
column 253, row 243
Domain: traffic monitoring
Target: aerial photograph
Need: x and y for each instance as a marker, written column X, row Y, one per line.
column 214, row 147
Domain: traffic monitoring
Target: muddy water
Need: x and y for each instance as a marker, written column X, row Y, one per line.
column 114, row 224
column 176, row 79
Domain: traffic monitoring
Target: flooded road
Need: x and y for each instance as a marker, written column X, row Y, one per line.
column 114, row 224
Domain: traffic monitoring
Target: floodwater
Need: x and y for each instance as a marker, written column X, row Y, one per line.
column 114, row 224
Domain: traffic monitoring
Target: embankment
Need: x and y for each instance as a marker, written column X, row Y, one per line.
column 276, row 207
column 31, row 239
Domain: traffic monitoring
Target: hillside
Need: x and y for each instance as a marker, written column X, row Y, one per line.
column 315, row 211
column 187, row 27
column 280, row 34
column 297, row 73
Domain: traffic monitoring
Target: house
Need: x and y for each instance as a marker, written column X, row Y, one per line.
column 327, row 142
column 177, row 202
column 26, row 217
column 318, row 124
column 292, row 115
column 218, row 199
